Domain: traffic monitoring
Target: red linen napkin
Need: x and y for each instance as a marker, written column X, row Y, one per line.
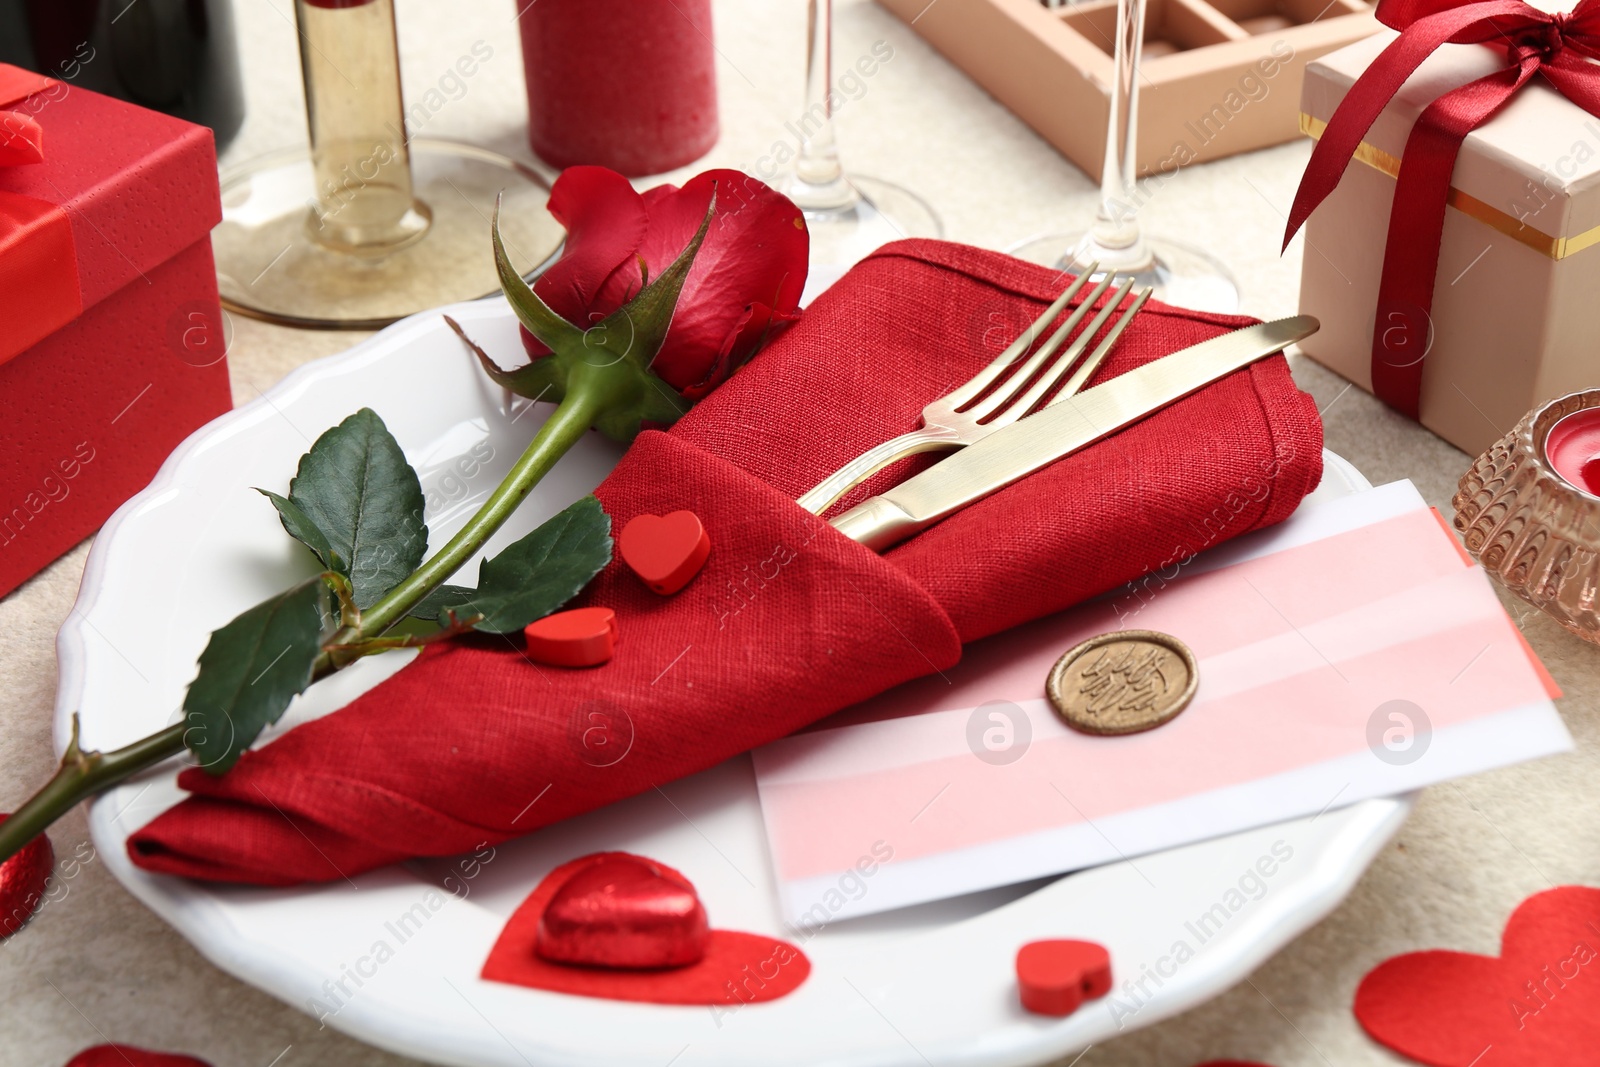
column 789, row 621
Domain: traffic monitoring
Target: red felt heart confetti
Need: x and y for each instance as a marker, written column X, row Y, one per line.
column 1054, row 977
column 582, row 637
column 1230, row 1063
column 624, row 912
column 22, row 883
column 736, row 969
column 665, row 551
column 1537, row 1004
column 128, row 1056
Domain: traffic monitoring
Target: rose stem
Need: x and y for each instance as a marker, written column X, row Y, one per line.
column 83, row 774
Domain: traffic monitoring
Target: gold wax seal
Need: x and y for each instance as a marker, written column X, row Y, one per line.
column 1123, row 682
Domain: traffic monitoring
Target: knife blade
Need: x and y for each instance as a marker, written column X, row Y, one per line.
column 1058, row 431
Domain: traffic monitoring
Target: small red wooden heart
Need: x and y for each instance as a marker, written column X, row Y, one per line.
column 1537, row 1004
column 23, row 878
column 1054, row 977
column 737, row 968
column 582, row 637
column 624, row 912
column 665, row 551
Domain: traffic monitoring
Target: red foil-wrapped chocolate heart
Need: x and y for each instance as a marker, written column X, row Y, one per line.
column 737, row 968
column 624, row 912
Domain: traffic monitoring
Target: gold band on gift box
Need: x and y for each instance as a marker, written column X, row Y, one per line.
column 1512, row 227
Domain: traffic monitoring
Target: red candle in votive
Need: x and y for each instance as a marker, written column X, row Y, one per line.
column 626, row 84
column 1573, row 448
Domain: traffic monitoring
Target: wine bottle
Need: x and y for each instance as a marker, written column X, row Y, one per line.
column 176, row 56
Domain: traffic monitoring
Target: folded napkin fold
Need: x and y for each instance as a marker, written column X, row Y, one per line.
column 789, row 621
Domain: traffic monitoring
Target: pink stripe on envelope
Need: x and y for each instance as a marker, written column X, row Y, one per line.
column 826, row 822
column 1390, row 555
column 1215, row 612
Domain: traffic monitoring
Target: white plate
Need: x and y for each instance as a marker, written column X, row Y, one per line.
column 927, row 985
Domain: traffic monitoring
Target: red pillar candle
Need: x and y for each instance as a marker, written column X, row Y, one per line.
column 626, row 84
column 1573, row 448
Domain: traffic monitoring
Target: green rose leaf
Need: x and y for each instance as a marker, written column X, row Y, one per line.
column 533, row 576
column 444, row 599
column 536, row 575
column 250, row 671
column 302, row 529
column 357, row 504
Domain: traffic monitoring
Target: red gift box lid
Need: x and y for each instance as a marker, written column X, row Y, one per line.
column 136, row 186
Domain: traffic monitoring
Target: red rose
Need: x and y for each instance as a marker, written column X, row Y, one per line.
column 745, row 281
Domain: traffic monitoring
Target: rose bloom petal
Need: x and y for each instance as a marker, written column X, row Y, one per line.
column 606, row 221
column 745, row 282
column 754, row 256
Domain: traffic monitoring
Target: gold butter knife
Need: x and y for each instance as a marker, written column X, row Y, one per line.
column 1060, row 430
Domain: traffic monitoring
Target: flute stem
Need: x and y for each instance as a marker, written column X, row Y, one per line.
column 819, row 183
column 350, row 60
column 1115, row 237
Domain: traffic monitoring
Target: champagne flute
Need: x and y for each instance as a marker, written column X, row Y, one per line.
column 1179, row 274
column 370, row 224
column 848, row 215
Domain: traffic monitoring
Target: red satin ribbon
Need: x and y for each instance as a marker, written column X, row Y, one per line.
column 39, row 289
column 1563, row 47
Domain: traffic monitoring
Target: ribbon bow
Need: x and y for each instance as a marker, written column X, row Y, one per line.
column 40, row 291
column 1564, row 47
column 21, row 136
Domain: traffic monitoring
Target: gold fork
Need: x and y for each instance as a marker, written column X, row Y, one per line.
column 955, row 421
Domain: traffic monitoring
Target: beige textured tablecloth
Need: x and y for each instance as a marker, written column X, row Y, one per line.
column 97, row 966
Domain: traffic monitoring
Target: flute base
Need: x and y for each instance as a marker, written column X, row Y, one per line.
column 270, row 264
column 1180, row 275
column 878, row 212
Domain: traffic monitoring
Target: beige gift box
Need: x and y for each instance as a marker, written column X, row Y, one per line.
column 1516, row 305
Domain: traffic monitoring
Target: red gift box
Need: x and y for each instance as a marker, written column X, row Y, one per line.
column 111, row 339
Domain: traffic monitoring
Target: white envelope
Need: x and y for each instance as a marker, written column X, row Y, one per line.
column 1353, row 651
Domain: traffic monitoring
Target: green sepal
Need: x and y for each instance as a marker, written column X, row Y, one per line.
column 531, row 310
column 639, row 327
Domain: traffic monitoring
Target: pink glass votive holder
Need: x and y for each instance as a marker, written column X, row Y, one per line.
column 1529, row 515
